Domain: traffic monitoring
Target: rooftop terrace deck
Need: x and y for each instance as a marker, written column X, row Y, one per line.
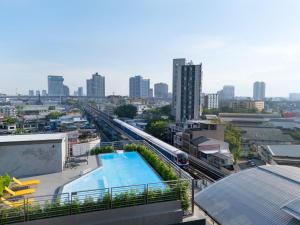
column 51, row 183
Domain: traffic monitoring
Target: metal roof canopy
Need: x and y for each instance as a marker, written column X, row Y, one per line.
column 258, row 196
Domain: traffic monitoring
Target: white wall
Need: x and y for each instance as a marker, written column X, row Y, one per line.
column 30, row 159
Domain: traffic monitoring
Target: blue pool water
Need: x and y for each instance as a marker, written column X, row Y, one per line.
column 119, row 169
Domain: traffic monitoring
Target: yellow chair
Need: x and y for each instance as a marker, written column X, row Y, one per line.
column 16, row 204
column 26, row 183
column 21, row 192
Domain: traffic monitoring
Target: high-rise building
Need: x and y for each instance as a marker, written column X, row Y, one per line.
column 151, row 93
column 44, row 93
column 161, row 90
column 177, row 63
column 188, row 88
column 211, row 101
column 31, row 92
column 259, row 91
column 55, row 85
column 80, row 91
column 66, row 90
column 96, row 86
column 145, row 88
column 139, row 87
column 37, row 93
column 227, row 93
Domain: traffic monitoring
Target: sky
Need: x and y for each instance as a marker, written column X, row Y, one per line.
column 237, row 41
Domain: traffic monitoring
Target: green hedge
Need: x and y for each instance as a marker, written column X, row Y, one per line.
column 4, row 182
column 165, row 171
column 101, row 150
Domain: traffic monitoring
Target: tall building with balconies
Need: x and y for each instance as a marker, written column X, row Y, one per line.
column 187, row 90
column 177, row 64
column 96, row 86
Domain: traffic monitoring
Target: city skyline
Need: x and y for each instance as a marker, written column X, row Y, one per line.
column 120, row 39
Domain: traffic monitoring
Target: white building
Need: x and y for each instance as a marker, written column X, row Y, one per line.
column 30, row 155
column 161, row 90
column 211, row 101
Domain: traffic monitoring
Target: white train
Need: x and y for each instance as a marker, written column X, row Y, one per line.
column 174, row 154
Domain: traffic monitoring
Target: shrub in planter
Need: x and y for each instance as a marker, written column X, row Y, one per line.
column 100, row 150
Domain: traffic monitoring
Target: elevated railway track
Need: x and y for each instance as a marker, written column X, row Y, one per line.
column 197, row 168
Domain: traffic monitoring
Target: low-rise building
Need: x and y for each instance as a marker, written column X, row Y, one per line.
column 8, row 110
column 261, row 196
column 242, row 105
column 29, row 155
column 212, row 151
column 281, row 154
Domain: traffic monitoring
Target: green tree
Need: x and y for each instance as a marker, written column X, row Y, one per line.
column 10, row 120
column 165, row 110
column 157, row 128
column 128, row 111
column 234, row 138
column 54, row 115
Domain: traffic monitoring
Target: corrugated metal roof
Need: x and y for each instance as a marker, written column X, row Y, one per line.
column 253, row 197
column 285, row 150
column 293, row 208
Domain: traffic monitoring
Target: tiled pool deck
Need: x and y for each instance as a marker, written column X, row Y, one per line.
column 50, row 183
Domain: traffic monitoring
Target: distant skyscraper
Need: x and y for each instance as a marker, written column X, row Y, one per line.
column 55, row 85
column 226, row 95
column 188, row 88
column 31, row 93
column 161, row 90
column 139, row 87
column 177, row 63
column 37, row 93
column 80, row 91
column 96, row 86
column 151, row 93
column 66, row 90
column 294, row 97
column 259, row 90
column 44, row 93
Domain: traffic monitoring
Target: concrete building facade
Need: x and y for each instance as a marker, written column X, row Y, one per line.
column 55, row 85
column 188, row 78
column 240, row 105
column 30, row 155
column 177, row 63
column 211, row 101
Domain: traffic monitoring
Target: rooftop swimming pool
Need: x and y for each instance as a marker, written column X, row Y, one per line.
column 118, row 169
